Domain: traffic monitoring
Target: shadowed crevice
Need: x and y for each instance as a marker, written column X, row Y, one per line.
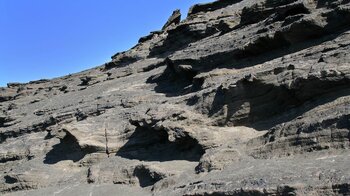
column 146, row 176
column 67, row 149
column 153, row 145
column 262, row 106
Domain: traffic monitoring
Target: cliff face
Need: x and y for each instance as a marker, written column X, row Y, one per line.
column 242, row 97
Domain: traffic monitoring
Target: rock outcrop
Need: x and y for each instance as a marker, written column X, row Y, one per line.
column 174, row 19
column 243, row 97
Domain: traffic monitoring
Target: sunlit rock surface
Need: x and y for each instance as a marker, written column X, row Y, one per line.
column 241, row 97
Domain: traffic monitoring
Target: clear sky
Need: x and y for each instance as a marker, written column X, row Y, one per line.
column 50, row 38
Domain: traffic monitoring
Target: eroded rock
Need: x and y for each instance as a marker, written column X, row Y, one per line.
column 241, row 97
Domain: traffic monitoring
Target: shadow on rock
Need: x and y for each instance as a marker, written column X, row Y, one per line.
column 153, row 145
column 67, row 149
column 174, row 81
column 146, row 176
column 262, row 106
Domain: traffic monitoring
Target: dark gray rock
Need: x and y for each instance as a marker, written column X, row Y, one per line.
column 174, row 19
column 240, row 98
column 208, row 7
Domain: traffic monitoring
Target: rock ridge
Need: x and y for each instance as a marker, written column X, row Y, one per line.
column 242, row 97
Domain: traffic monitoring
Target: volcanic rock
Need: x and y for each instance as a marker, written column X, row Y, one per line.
column 243, row 97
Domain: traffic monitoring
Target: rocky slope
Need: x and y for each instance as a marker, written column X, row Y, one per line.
column 243, row 97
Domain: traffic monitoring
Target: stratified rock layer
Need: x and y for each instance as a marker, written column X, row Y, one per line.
column 242, row 97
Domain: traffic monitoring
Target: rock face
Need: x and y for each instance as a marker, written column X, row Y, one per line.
column 174, row 19
column 243, row 97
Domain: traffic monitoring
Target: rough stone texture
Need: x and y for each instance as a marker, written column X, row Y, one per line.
column 242, row 97
column 174, row 19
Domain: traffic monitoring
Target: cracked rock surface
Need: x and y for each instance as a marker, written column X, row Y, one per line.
column 242, row 97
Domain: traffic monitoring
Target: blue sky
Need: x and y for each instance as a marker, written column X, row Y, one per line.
column 50, row 38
